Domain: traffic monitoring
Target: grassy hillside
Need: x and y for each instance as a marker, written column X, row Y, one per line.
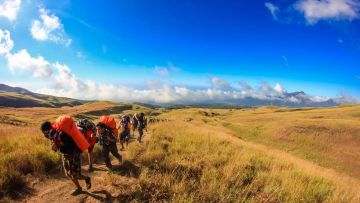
column 327, row 136
column 197, row 162
column 19, row 97
column 266, row 154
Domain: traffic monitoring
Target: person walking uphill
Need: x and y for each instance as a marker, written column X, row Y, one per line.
column 125, row 129
column 107, row 140
column 88, row 129
column 141, row 125
column 134, row 123
column 66, row 139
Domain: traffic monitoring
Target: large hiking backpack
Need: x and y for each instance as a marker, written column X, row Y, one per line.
column 86, row 124
column 87, row 127
column 110, row 122
column 68, row 125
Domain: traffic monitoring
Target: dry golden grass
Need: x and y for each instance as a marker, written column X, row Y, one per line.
column 267, row 154
column 23, row 150
column 197, row 162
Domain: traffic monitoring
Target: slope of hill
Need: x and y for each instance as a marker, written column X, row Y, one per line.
column 267, row 154
column 20, row 97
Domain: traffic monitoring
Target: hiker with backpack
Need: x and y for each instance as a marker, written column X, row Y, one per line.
column 66, row 139
column 106, row 133
column 141, row 125
column 134, row 123
column 125, row 129
column 88, row 129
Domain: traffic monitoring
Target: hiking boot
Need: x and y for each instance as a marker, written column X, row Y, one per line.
column 77, row 191
column 90, row 169
column 88, row 183
column 110, row 169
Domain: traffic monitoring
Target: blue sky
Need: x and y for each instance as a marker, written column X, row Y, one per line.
column 138, row 45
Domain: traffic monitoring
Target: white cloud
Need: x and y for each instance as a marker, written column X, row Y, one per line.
column 173, row 68
column 278, row 88
column 346, row 98
column 49, row 28
column 6, row 44
column 266, row 87
column 218, row 82
column 245, row 86
column 161, row 71
column 10, row 9
column 316, row 10
column 22, row 61
column 273, row 9
column 68, row 85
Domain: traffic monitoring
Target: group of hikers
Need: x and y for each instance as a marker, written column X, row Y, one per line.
column 72, row 138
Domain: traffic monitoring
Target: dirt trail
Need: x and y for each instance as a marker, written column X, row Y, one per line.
column 106, row 187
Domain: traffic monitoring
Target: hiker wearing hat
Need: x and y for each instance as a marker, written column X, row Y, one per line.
column 70, row 151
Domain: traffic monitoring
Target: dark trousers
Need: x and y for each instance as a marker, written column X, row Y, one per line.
column 106, row 151
column 141, row 132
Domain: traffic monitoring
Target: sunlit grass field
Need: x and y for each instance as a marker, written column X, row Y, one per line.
column 266, row 154
column 186, row 162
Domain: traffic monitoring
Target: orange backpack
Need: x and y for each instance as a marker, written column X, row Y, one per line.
column 68, row 125
column 110, row 122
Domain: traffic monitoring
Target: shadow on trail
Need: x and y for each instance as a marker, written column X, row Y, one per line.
column 127, row 168
column 20, row 195
column 95, row 194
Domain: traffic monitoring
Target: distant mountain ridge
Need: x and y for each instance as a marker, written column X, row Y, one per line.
column 20, row 97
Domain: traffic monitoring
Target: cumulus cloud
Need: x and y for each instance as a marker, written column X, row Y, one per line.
column 316, row 10
column 9, row 9
column 278, row 88
column 273, row 9
column 66, row 84
column 22, row 61
column 161, row 71
column 166, row 70
column 346, row 98
column 220, row 83
column 245, row 86
column 173, row 68
column 49, row 28
column 6, row 44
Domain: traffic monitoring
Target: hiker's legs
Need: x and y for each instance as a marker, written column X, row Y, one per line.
column 105, row 153
column 90, row 157
column 72, row 167
column 122, row 143
column 140, row 134
column 76, row 182
column 115, row 152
